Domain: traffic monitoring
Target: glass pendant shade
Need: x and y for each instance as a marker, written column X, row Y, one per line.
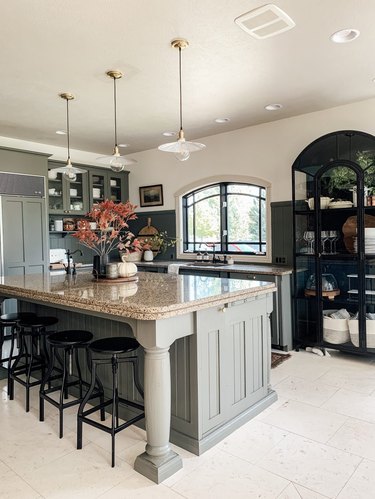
column 69, row 172
column 181, row 148
column 116, row 162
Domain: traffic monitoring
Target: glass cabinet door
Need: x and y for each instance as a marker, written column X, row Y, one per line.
column 328, row 246
column 115, row 189
column 67, row 197
column 97, row 187
column 107, row 185
column 76, row 195
column 55, row 192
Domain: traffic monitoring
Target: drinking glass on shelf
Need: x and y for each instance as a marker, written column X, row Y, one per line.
column 309, row 237
column 333, row 238
column 324, row 238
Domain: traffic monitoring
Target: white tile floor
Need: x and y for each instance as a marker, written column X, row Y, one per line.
column 316, row 441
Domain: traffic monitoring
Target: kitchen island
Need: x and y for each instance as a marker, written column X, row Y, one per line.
column 217, row 331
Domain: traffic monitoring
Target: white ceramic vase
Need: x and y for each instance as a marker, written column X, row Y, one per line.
column 148, row 256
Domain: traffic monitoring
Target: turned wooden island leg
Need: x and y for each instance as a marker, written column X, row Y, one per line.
column 158, row 462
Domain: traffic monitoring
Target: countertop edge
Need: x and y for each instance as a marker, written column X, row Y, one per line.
column 126, row 310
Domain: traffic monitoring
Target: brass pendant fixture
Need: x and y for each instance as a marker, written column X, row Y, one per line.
column 69, row 171
column 181, row 148
column 116, row 162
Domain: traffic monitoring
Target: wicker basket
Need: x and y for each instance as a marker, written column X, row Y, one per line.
column 370, row 332
column 335, row 331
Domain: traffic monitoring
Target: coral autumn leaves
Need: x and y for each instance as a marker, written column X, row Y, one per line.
column 111, row 232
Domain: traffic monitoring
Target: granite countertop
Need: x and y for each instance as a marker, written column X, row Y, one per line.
column 269, row 269
column 153, row 296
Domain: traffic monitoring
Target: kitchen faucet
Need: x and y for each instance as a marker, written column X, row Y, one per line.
column 69, row 254
column 214, row 257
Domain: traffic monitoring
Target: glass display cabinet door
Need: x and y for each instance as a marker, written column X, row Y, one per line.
column 115, row 189
column 326, row 257
column 55, row 192
column 98, row 191
column 76, row 195
column 305, row 244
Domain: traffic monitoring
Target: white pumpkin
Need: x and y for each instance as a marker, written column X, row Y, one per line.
column 127, row 269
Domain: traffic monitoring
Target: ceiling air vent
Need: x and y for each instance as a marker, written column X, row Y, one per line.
column 265, row 21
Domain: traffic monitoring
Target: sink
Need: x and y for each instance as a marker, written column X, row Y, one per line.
column 208, row 265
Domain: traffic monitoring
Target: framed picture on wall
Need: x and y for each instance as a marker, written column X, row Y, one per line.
column 151, row 195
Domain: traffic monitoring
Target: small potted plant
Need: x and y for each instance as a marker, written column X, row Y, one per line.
column 156, row 244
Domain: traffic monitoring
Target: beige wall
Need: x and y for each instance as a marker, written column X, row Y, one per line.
column 264, row 151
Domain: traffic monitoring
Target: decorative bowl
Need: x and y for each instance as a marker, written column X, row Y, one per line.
column 329, row 282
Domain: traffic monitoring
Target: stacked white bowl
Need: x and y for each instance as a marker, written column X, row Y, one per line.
column 369, row 240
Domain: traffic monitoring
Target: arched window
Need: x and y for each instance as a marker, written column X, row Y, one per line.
column 232, row 216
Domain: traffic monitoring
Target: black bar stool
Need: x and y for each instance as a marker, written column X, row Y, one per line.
column 69, row 342
column 32, row 355
column 11, row 321
column 113, row 347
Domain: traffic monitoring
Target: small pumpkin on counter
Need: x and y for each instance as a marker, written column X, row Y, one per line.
column 127, row 269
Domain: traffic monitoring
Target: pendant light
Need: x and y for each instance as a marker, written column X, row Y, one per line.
column 116, row 162
column 181, row 148
column 69, row 171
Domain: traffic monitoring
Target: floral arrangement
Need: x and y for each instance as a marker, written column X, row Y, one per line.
column 129, row 243
column 158, row 242
column 103, row 229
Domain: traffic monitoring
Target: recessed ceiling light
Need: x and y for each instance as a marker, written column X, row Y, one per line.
column 222, row 120
column 61, row 132
column 273, row 107
column 345, row 35
column 169, row 134
column 124, row 145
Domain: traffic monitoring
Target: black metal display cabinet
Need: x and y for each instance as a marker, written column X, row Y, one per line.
column 334, row 242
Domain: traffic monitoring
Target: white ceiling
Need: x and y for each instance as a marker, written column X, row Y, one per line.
column 50, row 46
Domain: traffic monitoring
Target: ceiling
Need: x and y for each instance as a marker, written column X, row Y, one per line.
column 67, row 45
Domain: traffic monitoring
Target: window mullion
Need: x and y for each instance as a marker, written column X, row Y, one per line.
column 260, row 220
column 224, row 219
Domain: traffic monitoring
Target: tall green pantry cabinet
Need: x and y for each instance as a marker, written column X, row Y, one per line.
column 24, row 237
column 334, row 243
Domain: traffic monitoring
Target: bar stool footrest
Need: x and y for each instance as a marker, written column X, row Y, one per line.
column 109, row 429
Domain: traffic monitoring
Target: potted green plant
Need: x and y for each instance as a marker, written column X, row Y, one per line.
column 156, row 243
column 341, row 180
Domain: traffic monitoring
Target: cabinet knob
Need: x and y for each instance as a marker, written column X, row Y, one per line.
column 223, row 309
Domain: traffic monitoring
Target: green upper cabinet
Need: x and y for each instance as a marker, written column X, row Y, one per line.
column 108, row 185
column 67, row 197
column 76, row 198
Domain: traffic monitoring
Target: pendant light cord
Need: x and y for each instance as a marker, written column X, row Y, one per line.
column 115, row 105
column 68, row 126
column 180, row 72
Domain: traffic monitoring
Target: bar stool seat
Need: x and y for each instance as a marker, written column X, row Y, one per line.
column 114, row 345
column 69, row 342
column 111, row 351
column 11, row 321
column 32, row 355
